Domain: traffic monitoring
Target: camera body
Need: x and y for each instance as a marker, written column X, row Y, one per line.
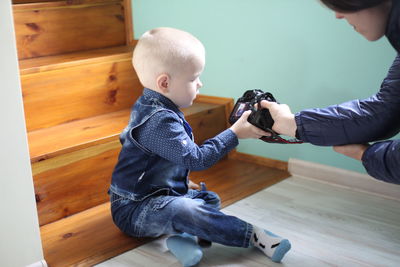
column 259, row 117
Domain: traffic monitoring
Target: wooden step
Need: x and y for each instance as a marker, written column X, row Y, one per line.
column 48, row 143
column 75, row 59
column 90, row 237
column 76, row 86
column 58, row 27
column 72, row 163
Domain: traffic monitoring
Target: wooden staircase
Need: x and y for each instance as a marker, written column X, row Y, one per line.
column 78, row 87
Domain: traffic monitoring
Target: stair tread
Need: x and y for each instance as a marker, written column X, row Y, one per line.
column 68, row 60
column 35, row 4
column 72, row 136
column 90, row 237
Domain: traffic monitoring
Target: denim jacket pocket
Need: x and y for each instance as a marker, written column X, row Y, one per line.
column 161, row 201
column 116, row 200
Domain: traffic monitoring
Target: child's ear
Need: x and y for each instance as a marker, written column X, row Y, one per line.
column 163, row 82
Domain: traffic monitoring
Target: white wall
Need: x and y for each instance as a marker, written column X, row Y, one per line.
column 20, row 243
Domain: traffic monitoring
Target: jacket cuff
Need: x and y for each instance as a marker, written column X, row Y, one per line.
column 300, row 129
column 381, row 159
column 229, row 138
column 370, row 161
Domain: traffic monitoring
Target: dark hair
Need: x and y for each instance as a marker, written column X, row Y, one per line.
column 351, row 5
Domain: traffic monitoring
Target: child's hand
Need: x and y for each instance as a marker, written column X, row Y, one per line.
column 244, row 129
column 193, row 185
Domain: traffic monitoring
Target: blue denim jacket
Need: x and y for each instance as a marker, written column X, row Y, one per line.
column 158, row 150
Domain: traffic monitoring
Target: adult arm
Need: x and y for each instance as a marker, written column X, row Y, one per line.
column 354, row 122
column 382, row 161
column 357, row 121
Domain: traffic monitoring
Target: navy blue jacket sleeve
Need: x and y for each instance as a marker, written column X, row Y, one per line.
column 357, row 121
column 361, row 121
column 382, row 160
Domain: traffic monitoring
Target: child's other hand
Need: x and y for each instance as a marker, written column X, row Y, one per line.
column 244, row 129
column 193, row 185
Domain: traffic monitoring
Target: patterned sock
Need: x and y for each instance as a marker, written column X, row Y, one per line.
column 272, row 245
column 185, row 249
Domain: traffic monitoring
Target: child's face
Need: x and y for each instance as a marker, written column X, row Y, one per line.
column 185, row 85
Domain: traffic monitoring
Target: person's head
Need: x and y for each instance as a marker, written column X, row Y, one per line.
column 368, row 17
column 170, row 62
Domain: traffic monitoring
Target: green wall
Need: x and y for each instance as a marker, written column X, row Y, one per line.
column 295, row 49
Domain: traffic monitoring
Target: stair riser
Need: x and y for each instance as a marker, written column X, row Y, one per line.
column 58, row 30
column 74, row 182
column 59, row 96
column 57, row 3
column 207, row 124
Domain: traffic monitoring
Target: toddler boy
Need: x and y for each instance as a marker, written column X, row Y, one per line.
column 149, row 191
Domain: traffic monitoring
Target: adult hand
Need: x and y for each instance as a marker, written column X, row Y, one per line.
column 284, row 122
column 244, row 129
column 355, row 151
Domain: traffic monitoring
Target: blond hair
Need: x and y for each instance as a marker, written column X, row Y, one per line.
column 164, row 51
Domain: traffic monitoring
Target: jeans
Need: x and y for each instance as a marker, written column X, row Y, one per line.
column 196, row 213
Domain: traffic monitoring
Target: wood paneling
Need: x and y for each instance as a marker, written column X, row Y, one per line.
column 59, row 96
column 29, row 4
column 273, row 163
column 65, row 138
column 30, row 1
column 70, row 60
column 55, row 141
column 236, row 179
column 226, row 101
column 84, row 239
column 42, row 30
column 77, row 181
column 207, row 123
column 129, row 23
column 90, row 237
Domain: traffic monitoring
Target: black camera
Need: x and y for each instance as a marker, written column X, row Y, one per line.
column 259, row 117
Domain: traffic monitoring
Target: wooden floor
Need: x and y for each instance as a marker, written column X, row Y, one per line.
column 327, row 226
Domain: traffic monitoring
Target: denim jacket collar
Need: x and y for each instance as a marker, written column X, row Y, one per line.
column 163, row 100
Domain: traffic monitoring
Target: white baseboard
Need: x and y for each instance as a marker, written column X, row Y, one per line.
column 349, row 179
column 41, row 263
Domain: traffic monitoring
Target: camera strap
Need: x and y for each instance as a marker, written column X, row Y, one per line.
column 277, row 139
